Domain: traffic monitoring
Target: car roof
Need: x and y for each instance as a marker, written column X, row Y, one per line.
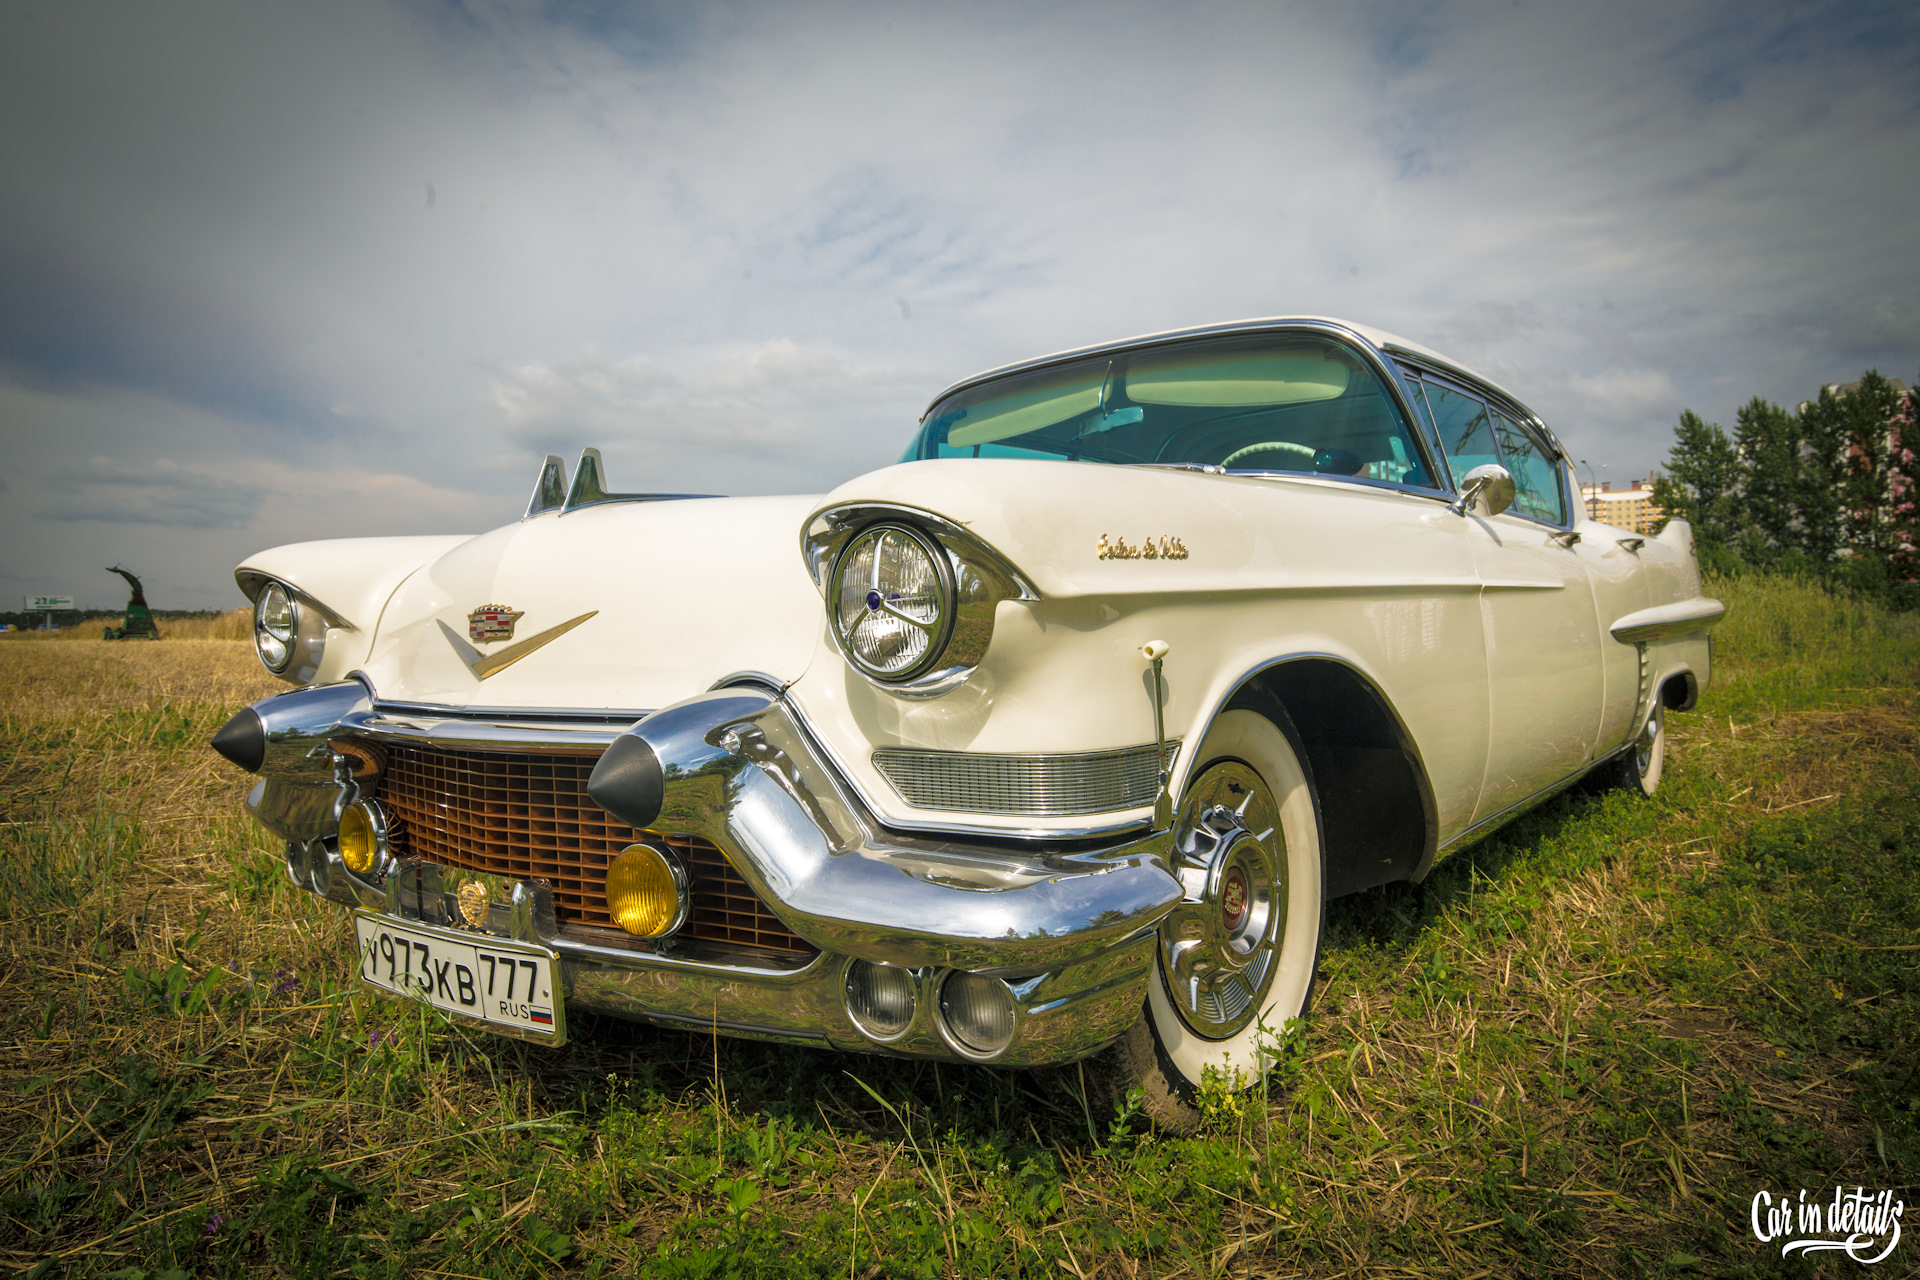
column 1378, row 338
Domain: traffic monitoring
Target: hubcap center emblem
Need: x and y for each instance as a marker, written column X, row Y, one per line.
column 1233, row 898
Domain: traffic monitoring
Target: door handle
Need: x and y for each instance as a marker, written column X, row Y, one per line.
column 1632, row 544
column 1565, row 537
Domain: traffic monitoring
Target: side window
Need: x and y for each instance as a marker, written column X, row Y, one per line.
column 1423, row 418
column 1536, row 481
column 1466, row 436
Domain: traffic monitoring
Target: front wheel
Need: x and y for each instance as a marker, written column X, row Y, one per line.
column 1237, row 955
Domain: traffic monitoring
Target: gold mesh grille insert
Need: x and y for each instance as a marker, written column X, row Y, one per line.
column 527, row 816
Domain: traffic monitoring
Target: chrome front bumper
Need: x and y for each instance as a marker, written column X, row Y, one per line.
column 1068, row 928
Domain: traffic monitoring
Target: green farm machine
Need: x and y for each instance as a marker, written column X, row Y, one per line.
column 140, row 624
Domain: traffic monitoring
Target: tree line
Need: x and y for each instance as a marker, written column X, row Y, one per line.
column 1827, row 490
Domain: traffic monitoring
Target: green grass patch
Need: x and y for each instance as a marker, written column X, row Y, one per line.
column 1579, row 1049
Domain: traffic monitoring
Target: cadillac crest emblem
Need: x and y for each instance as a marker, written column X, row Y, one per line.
column 492, row 622
column 474, row 901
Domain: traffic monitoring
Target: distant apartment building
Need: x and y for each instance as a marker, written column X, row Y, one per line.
column 1623, row 508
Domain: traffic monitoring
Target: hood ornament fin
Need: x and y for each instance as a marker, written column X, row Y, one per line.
column 550, row 490
column 590, row 486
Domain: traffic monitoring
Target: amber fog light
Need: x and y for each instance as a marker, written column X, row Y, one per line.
column 363, row 837
column 978, row 1012
column 647, row 891
column 881, row 998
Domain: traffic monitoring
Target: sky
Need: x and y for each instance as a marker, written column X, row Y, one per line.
column 271, row 273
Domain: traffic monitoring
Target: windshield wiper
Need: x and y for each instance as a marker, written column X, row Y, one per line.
column 1210, row 468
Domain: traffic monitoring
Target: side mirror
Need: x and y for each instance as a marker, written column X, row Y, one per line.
column 1487, row 490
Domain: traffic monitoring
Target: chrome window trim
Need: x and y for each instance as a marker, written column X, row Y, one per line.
column 1231, row 329
column 1382, row 366
column 1529, row 421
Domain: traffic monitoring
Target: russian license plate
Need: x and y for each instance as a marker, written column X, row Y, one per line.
column 508, row 985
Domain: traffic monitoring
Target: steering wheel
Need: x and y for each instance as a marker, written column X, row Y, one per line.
column 1270, row 446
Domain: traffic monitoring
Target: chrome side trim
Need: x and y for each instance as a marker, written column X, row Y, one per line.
column 1667, row 620
column 740, row 773
column 1069, row 783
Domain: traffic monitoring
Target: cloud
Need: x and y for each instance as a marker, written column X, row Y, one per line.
column 1626, row 392
column 160, row 492
column 780, row 400
column 741, row 247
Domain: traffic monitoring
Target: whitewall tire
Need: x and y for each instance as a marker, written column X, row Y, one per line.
column 1237, row 956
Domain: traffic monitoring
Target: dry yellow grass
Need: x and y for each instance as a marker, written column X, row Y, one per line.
column 234, row 624
column 94, row 676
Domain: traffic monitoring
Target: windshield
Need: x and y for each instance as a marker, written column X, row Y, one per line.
column 1267, row 402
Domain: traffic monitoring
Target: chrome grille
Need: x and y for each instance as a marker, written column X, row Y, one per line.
column 527, row 816
column 980, row 782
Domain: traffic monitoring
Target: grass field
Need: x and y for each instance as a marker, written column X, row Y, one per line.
column 1580, row 1049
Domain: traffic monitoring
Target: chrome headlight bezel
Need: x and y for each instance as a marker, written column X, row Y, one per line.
column 300, row 642
column 937, row 631
column 980, row 579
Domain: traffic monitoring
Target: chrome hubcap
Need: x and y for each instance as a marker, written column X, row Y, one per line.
column 1220, row 947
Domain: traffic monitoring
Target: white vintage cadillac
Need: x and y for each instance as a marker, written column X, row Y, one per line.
column 1048, row 743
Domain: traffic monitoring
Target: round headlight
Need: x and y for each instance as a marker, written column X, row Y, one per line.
column 274, row 625
column 892, row 602
column 647, row 891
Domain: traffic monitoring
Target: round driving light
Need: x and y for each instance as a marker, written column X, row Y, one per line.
column 274, row 624
column 978, row 1012
column 363, row 837
column 880, row 998
column 647, row 891
column 892, row 602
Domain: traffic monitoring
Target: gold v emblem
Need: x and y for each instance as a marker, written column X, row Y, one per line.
column 485, row 664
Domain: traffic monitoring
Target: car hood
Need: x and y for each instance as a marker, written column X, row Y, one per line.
column 623, row 606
